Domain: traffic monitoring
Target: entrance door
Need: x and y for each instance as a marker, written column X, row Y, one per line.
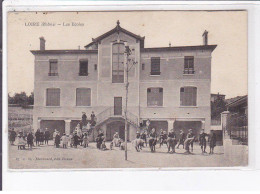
column 117, row 105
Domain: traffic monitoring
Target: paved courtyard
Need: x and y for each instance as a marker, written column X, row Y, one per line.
column 48, row 157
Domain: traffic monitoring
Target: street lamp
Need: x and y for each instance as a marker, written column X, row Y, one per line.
column 128, row 52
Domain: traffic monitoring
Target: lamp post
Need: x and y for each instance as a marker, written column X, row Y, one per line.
column 128, row 52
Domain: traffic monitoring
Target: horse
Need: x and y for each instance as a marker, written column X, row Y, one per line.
column 138, row 144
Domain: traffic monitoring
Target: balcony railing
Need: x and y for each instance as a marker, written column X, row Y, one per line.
column 109, row 112
column 52, row 74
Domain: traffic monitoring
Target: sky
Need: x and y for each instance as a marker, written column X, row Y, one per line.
column 227, row 29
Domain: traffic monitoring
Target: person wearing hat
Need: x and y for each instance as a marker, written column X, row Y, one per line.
column 202, row 141
column 212, row 141
column 138, row 135
column 189, row 142
column 171, row 141
column 182, row 139
column 152, row 140
column 46, row 136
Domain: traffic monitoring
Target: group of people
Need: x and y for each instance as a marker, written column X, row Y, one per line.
column 173, row 142
column 28, row 138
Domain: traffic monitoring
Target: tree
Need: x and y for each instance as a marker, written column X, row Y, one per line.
column 21, row 99
column 217, row 107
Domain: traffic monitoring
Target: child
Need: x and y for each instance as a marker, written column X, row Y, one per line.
column 21, row 142
column 85, row 140
column 71, row 138
column 65, row 141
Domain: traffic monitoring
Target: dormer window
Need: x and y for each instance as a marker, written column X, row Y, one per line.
column 83, row 67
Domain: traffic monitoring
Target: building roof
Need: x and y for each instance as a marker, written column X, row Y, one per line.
column 237, row 101
column 117, row 29
column 217, row 94
column 63, row 51
column 180, row 48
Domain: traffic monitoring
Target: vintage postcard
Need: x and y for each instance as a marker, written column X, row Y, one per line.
column 135, row 89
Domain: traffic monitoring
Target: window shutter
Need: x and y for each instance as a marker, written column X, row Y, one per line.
column 53, row 97
column 83, row 97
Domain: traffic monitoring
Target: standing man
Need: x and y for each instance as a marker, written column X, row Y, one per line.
column 38, row 137
column 189, row 142
column 182, row 139
column 84, row 119
column 144, row 137
column 46, row 136
column 92, row 117
column 12, row 136
column 54, row 136
column 152, row 140
column 171, row 141
column 202, row 140
column 212, row 141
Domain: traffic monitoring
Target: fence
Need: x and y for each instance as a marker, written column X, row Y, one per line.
column 237, row 128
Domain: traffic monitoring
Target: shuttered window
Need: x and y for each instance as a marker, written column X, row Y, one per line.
column 53, row 97
column 53, row 68
column 83, row 68
column 154, row 96
column 118, row 63
column 83, row 96
column 188, row 65
column 155, row 66
column 188, row 96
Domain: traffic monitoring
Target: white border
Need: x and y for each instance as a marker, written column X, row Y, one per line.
column 132, row 179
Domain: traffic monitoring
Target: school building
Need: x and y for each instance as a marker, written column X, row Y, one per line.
column 170, row 85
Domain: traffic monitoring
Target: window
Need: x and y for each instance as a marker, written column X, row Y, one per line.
column 83, row 97
column 155, row 66
column 95, row 67
column 118, row 63
column 154, row 96
column 83, row 68
column 188, row 65
column 53, row 70
column 143, row 66
column 53, row 97
column 188, row 96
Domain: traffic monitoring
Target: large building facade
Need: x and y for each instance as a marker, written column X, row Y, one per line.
column 170, row 86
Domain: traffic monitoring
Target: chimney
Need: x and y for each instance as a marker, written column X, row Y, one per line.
column 205, row 37
column 170, row 44
column 42, row 43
